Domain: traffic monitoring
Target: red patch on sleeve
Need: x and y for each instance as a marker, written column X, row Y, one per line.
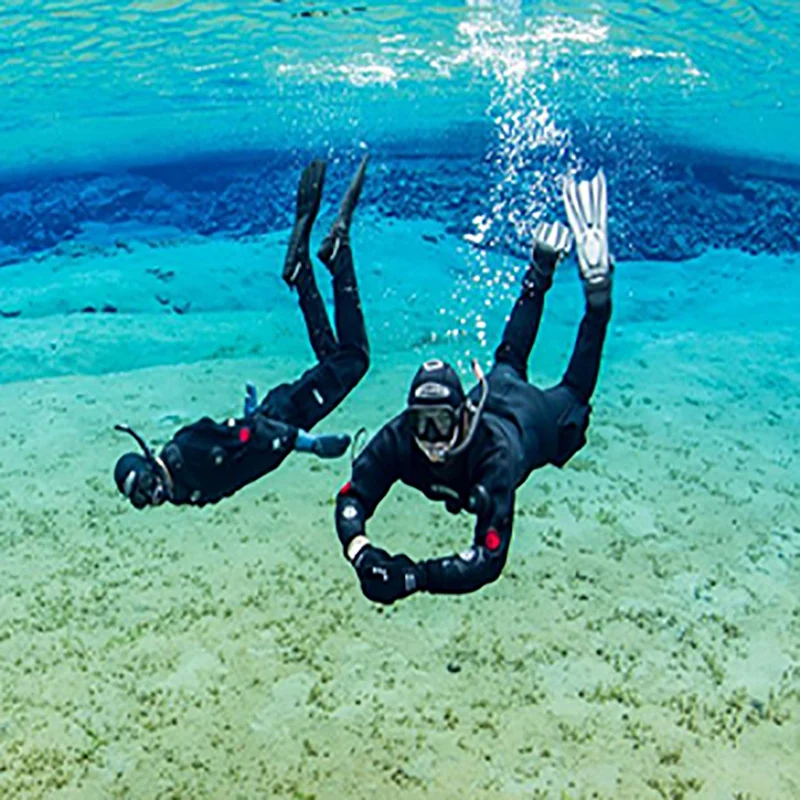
column 244, row 435
column 346, row 488
column 492, row 540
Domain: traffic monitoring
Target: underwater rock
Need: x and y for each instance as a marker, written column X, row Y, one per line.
column 685, row 204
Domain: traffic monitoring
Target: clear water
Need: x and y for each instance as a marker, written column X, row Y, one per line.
column 122, row 82
column 644, row 639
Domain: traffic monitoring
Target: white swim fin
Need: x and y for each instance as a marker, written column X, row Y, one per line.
column 552, row 237
column 587, row 210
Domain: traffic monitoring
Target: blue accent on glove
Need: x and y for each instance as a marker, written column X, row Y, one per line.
column 305, row 442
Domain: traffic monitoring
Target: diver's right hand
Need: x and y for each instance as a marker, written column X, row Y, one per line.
column 385, row 578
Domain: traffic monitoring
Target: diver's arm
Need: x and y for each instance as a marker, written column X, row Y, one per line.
column 386, row 578
column 484, row 561
column 492, row 501
column 322, row 445
column 383, row 578
column 374, row 472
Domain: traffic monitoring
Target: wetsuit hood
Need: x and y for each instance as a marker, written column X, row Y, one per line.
column 141, row 478
column 436, row 383
column 436, row 410
column 137, row 478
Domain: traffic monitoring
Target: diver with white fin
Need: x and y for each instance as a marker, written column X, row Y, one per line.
column 209, row 460
column 473, row 451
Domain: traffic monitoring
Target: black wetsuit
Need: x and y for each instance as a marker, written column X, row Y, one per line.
column 521, row 429
column 210, row 460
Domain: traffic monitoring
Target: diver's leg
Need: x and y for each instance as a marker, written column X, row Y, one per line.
column 337, row 255
column 321, row 389
column 584, row 366
column 320, row 333
column 587, row 209
column 348, row 313
column 309, row 195
column 297, row 270
column 340, row 230
column 562, row 416
column 317, row 392
column 551, row 242
column 520, row 332
column 567, row 406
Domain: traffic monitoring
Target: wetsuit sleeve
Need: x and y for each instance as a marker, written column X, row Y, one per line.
column 374, row 471
column 493, row 503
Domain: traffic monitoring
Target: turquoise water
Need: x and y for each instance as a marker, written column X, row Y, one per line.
column 130, row 81
column 644, row 638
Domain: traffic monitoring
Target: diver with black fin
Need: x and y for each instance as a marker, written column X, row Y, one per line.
column 207, row 461
column 474, row 451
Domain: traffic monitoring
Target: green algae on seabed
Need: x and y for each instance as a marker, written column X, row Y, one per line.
column 642, row 641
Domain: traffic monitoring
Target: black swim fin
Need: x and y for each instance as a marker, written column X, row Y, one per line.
column 309, row 195
column 340, row 230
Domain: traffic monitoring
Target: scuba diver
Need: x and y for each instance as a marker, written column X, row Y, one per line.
column 209, row 460
column 474, row 451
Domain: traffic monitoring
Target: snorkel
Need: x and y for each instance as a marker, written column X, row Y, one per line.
column 475, row 412
column 148, row 453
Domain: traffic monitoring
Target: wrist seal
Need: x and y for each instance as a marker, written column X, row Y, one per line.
column 355, row 547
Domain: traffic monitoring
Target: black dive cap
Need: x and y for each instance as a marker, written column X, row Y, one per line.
column 130, row 462
column 436, row 384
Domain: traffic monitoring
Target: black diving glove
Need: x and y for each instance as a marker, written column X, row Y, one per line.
column 325, row 445
column 331, row 445
column 385, row 578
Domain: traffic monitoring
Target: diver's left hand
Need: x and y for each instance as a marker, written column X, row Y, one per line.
column 385, row 578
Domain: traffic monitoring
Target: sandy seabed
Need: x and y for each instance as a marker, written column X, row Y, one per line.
column 643, row 641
